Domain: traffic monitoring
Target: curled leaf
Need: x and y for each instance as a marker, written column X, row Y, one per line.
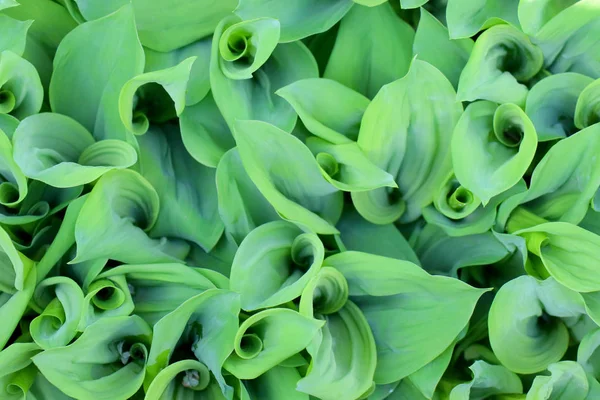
column 60, row 152
column 503, row 142
column 274, row 263
column 502, row 60
column 286, row 173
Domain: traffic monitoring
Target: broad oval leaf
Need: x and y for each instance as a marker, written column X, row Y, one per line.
column 410, row 140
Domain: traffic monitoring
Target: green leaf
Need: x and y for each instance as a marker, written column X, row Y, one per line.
column 568, row 40
column 184, row 379
column 158, row 289
column 137, row 108
column 241, row 205
column 286, row 173
column 13, row 186
column 298, row 18
column 107, row 361
column 15, row 34
column 401, row 292
column 186, row 189
column 502, row 60
column 362, row 58
column 62, row 302
column 165, row 25
column 524, row 333
column 502, row 142
column 567, row 252
column 17, row 374
column 87, row 79
column 105, row 298
column 347, row 168
column 274, row 263
column 116, row 217
column 21, row 91
column 466, row 17
column 202, row 327
column 488, row 380
column 551, row 105
column 383, row 240
column 254, row 98
column 277, row 383
column 267, row 338
column 433, row 44
column 459, row 212
column 567, row 380
column 409, row 139
column 198, row 84
column 327, row 108
column 60, row 152
column 587, row 111
column 343, row 357
column 565, row 180
column 204, row 132
column 534, row 14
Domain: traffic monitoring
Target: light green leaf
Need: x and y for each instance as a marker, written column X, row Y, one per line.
column 459, row 212
column 409, row 139
column 466, row 17
column 153, row 295
column 286, row 173
column 198, row 84
column 139, row 107
column 254, row 98
column 551, row 104
column 567, row 252
column 15, row 34
column 433, row 44
column 362, row 58
column 502, row 60
column 105, row 298
column 524, row 334
column 534, row 14
column 343, row 357
column 186, row 189
column 202, row 327
column 267, row 338
column 204, row 132
column 21, row 91
column 567, row 380
column 165, row 25
column 568, row 40
column 277, row 383
column 116, row 217
column 402, row 292
column 274, row 263
column 565, row 180
column 184, row 379
column 347, row 168
column 13, row 186
column 60, row 152
column 501, row 141
column 107, row 361
column 587, row 111
column 298, row 18
column 62, row 302
column 87, row 79
column 241, row 206
column 327, row 108
column 488, row 380
column 383, row 240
